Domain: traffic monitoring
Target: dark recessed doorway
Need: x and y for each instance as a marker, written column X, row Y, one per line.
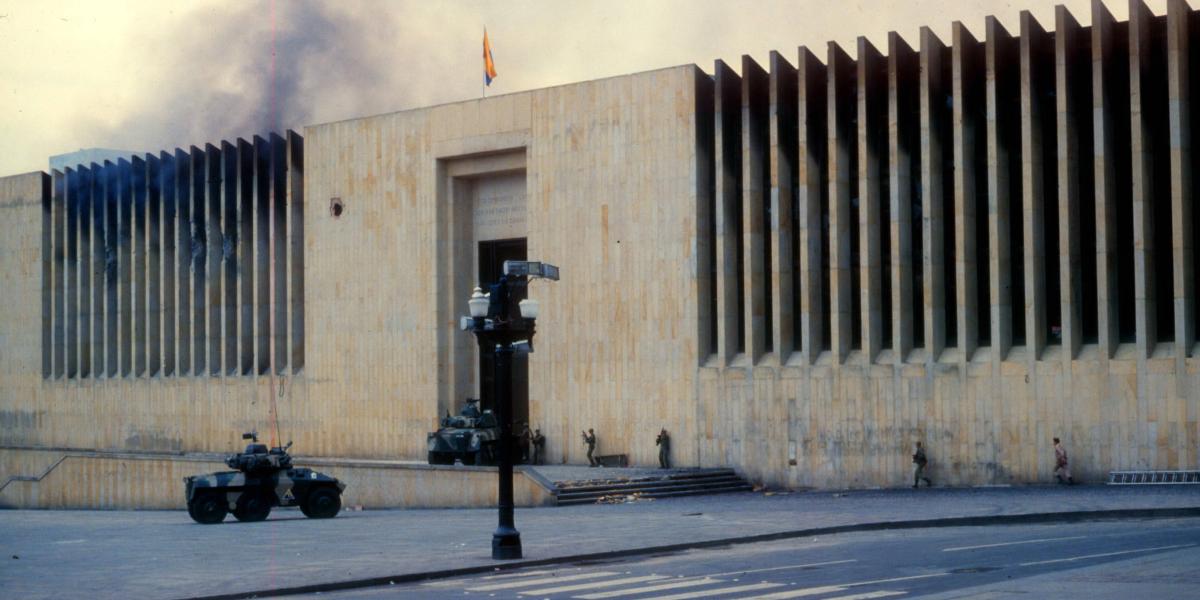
column 492, row 255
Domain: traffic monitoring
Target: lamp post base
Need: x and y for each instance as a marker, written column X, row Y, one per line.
column 506, row 544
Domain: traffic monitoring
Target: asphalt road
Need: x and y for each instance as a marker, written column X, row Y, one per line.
column 1157, row 559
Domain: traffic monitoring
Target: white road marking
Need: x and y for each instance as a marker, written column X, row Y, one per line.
column 1087, row 556
column 70, row 541
column 805, row 566
column 591, row 585
column 812, row 591
column 869, row 595
column 514, row 575
column 680, row 583
column 891, row 579
column 719, row 591
column 1058, row 539
column 525, row 582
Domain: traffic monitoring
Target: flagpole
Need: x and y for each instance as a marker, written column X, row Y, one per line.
column 483, row 80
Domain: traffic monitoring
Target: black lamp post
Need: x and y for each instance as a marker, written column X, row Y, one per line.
column 500, row 324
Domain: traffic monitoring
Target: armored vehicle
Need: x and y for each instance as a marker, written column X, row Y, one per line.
column 470, row 437
column 264, row 478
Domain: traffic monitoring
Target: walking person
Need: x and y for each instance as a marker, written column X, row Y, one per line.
column 663, row 441
column 1061, row 469
column 919, row 462
column 589, row 438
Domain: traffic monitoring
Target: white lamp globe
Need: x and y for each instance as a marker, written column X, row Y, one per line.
column 530, row 308
column 478, row 304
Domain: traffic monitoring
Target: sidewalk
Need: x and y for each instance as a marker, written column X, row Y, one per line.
column 162, row 554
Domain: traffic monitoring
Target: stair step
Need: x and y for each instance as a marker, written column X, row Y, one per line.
column 1153, row 477
column 647, row 483
column 650, row 487
column 673, row 476
column 745, row 487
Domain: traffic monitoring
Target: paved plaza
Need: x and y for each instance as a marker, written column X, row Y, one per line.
column 163, row 554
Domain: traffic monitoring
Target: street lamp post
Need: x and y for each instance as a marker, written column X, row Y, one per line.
column 500, row 328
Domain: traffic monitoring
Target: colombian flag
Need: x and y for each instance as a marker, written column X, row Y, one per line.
column 489, row 68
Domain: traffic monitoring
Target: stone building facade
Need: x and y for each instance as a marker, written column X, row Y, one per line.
column 799, row 269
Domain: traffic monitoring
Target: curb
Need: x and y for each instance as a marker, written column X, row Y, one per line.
column 1023, row 519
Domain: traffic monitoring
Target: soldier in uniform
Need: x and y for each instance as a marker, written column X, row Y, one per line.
column 539, row 446
column 1061, row 470
column 471, row 410
column 526, row 441
column 663, row 441
column 589, row 438
column 919, row 462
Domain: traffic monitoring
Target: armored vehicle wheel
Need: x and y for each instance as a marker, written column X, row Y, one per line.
column 470, row 458
column 438, row 458
column 207, row 509
column 322, row 503
column 252, row 507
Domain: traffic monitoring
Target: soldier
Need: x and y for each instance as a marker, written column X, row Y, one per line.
column 920, row 461
column 589, row 438
column 525, row 440
column 539, row 446
column 663, row 441
column 471, row 410
column 1061, row 471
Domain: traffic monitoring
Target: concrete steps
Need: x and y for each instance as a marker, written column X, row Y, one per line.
column 708, row 481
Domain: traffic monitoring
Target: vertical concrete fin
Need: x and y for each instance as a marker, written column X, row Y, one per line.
column 215, row 238
column 901, row 83
column 1141, row 154
column 784, row 244
column 1106, row 227
column 932, row 122
column 279, row 304
column 229, row 256
column 153, row 265
column 706, row 239
column 1182, row 242
column 811, row 75
column 965, row 88
column 47, row 276
column 138, row 266
column 97, row 269
column 1032, row 187
column 755, row 140
column 125, row 264
column 840, row 117
column 245, row 252
column 183, row 248
column 1066, row 39
column 295, row 152
column 199, row 235
column 71, row 272
column 727, row 121
column 170, row 209
column 998, row 53
column 85, row 271
column 872, row 146
column 262, row 232
column 58, row 228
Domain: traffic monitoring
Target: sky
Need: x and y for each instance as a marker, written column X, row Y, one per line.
column 149, row 75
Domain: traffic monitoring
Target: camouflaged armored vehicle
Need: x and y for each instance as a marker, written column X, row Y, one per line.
column 471, row 437
column 263, row 479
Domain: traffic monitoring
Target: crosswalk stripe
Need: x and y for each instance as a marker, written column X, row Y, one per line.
column 812, row 591
column 508, row 585
column 516, row 575
column 592, row 585
column 651, row 588
column 725, row 590
column 868, row 595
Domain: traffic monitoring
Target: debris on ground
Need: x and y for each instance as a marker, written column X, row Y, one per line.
column 622, row 498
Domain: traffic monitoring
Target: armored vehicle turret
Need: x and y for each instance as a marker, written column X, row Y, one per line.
column 471, row 437
column 264, row 478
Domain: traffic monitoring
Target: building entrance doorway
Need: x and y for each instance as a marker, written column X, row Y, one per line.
column 492, row 255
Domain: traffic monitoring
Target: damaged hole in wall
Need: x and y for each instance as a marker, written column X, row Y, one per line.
column 336, row 207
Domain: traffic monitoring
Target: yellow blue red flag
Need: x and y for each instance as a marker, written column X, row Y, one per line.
column 489, row 67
